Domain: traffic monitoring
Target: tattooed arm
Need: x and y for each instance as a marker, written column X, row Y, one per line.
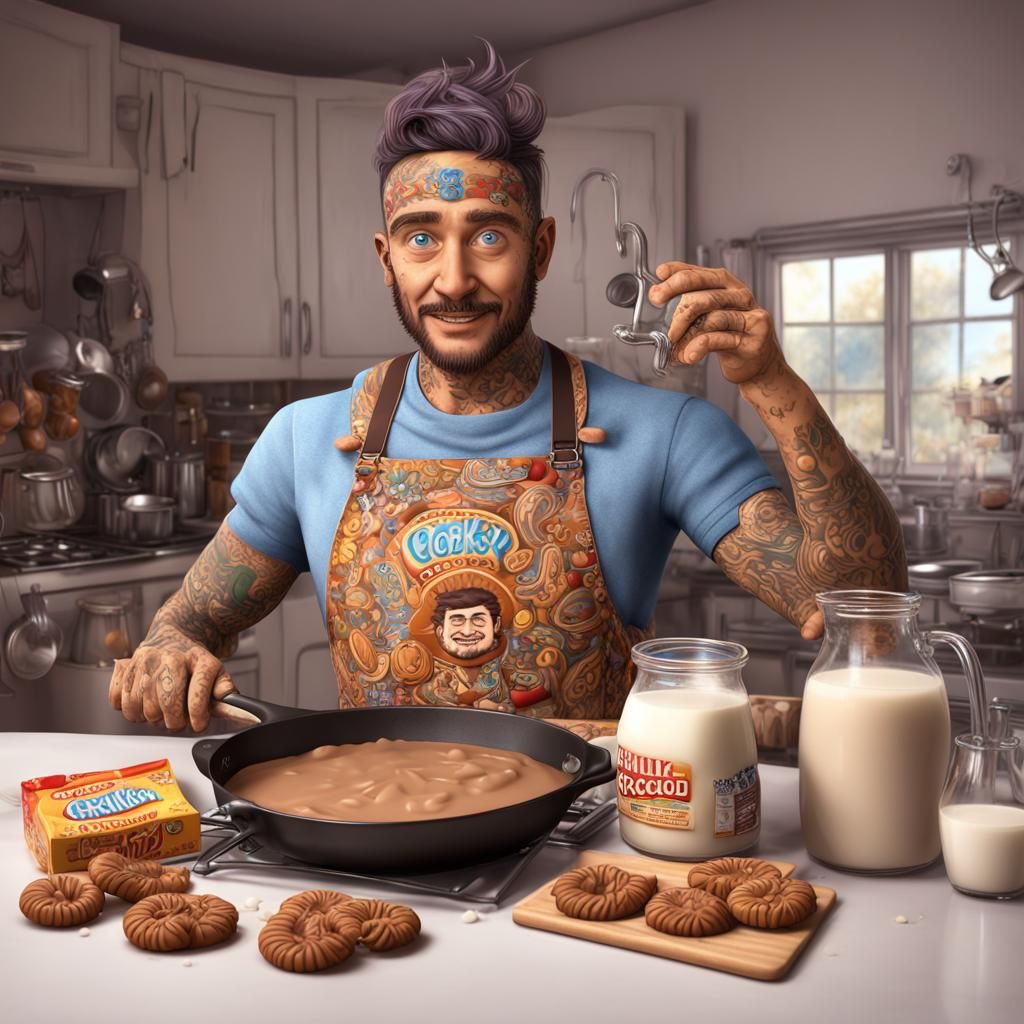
column 843, row 532
column 176, row 670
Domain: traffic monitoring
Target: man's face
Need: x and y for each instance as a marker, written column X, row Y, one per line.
column 467, row 632
column 461, row 256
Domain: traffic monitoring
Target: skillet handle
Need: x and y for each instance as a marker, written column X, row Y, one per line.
column 266, row 712
column 598, row 770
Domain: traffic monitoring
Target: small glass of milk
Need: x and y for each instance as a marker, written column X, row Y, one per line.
column 981, row 817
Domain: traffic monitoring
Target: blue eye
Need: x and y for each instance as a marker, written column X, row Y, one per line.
column 419, row 240
column 490, row 237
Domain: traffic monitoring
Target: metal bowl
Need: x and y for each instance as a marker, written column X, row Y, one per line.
column 104, row 398
column 932, row 578
column 991, row 592
column 150, row 516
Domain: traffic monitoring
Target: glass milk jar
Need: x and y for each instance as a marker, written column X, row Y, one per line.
column 874, row 736
column 686, row 771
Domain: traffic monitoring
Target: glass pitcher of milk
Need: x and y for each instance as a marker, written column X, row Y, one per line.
column 686, row 768
column 875, row 735
column 981, row 813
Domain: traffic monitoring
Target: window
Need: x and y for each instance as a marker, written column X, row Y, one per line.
column 884, row 334
column 958, row 336
column 833, row 334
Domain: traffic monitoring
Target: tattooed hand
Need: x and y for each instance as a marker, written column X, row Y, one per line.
column 717, row 313
column 170, row 678
column 176, row 675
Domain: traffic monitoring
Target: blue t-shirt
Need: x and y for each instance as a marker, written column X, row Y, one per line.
column 671, row 462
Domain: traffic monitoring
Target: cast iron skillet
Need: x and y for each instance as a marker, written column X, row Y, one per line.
column 399, row 847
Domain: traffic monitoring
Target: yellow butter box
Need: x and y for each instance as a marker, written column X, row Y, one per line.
column 137, row 811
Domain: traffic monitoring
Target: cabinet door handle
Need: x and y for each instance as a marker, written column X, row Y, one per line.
column 286, row 327
column 195, row 133
column 307, row 329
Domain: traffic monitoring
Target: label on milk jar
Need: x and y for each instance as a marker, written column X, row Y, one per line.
column 738, row 803
column 654, row 790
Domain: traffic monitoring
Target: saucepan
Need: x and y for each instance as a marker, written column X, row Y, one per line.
column 410, row 847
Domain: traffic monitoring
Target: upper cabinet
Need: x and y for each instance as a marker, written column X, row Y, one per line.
column 347, row 319
column 231, row 235
column 56, row 109
column 218, row 218
column 259, row 204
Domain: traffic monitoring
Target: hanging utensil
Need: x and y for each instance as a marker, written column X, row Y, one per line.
column 626, row 289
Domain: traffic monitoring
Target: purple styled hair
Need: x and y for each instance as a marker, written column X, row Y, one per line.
column 481, row 110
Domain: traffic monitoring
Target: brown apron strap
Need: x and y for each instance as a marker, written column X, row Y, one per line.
column 384, row 409
column 565, row 445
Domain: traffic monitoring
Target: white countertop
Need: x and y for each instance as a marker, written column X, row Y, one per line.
column 958, row 959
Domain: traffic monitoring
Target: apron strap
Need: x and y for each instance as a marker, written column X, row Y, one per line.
column 383, row 413
column 565, row 444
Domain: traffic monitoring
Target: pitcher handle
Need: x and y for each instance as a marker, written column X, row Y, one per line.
column 973, row 674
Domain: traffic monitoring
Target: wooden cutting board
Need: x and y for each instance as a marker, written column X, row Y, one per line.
column 753, row 952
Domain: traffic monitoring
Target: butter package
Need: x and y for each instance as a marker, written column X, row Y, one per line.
column 137, row 811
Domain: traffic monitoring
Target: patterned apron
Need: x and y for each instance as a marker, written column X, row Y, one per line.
column 474, row 582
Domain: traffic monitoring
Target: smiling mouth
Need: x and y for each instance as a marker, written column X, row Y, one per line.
column 468, row 641
column 457, row 318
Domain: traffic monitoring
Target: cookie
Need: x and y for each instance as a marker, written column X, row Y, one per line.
column 133, row 880
column 295, row 939
column 691, row 912
column 167, row 921
column 382, row 926
column 315, row 901
column 772, row 902
column 602, row 892
column 719, row 877
column 61, row 901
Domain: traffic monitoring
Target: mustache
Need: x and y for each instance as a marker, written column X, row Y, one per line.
column 456, row 308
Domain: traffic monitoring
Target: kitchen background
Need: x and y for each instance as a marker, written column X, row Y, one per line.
column 186, row 212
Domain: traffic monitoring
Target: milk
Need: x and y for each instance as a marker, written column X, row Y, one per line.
column 874, row 745
column 687, row 773
column 983, row 847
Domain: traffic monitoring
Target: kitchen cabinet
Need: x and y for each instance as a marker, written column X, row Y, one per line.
column 644, row 146
column 307, row 674
column 218, row 218
column 347, row 320
column 55, row 80
column 259, row 206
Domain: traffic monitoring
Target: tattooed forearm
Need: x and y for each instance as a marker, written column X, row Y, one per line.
column 762, row 556
column 230, row 587
column 850, row 536
column 503, row 383
column 853, row 535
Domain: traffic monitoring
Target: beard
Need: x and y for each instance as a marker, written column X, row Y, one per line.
column 499, row 340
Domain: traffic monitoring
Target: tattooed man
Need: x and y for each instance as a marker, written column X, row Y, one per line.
column 489, row 463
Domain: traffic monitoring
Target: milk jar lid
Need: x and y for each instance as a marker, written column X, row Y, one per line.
column 689, row 655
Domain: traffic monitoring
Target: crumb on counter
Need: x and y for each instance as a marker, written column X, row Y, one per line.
column 470, row 916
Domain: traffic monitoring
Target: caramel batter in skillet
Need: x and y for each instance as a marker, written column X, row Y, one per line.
column 395, row 780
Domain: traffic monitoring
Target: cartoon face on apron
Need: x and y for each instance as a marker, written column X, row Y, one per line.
column 474, row 582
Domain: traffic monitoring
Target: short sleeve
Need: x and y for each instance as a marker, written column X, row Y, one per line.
column 265, row 514
column 712, row 468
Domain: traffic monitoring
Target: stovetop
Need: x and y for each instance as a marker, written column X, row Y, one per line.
column 227, row 847
column 38, row 551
